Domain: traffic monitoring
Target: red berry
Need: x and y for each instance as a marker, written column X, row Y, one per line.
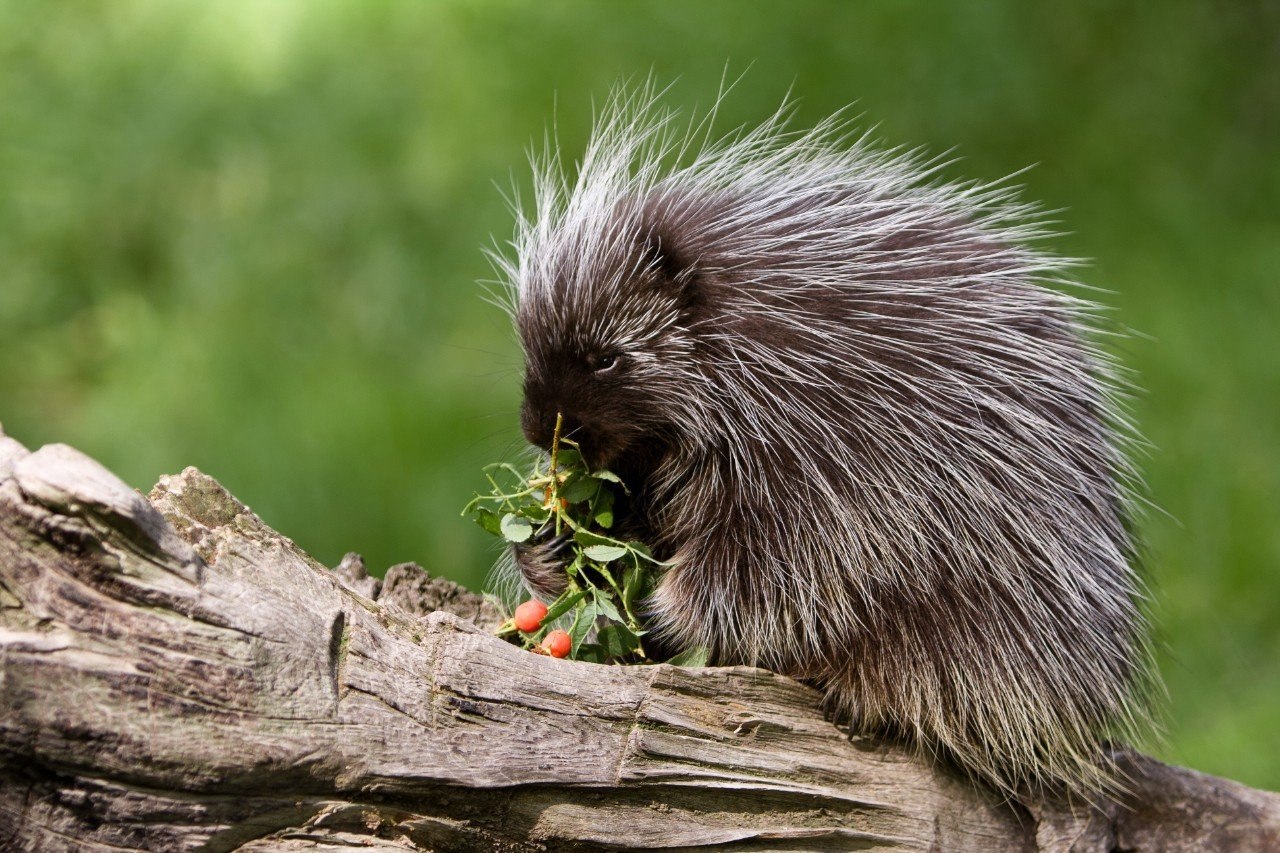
column 529, row 615
column 558, row 644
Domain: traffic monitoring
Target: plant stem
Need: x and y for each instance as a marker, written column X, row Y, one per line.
column 555, row 444
column 555, row 484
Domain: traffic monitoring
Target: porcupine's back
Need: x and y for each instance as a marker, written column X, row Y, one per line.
column 879, row 452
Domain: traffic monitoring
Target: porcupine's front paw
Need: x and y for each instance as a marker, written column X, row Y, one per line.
column 542, row 565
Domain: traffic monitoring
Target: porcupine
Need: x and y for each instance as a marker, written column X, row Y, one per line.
column 865, row 421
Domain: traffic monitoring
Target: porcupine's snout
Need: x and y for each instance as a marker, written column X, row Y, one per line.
column 582, row 424
column 538, row 417
column 538, row 421
column 539, row 426
column 538, row 429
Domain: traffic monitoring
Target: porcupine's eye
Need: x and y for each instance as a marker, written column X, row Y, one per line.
column 605, row 363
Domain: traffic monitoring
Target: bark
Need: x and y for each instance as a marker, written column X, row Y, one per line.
column 175, row 674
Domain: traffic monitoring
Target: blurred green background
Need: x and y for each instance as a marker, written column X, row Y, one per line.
column 246, row 236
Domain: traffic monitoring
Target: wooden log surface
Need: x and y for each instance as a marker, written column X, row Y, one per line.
column 174, row 674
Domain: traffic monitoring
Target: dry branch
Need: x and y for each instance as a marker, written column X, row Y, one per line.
column 175, row 675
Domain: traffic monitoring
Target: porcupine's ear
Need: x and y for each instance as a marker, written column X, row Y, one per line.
column 674, row 266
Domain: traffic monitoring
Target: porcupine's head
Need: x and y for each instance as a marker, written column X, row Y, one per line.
column 609, row 297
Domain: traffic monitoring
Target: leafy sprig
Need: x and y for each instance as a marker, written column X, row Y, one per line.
column 607, row 577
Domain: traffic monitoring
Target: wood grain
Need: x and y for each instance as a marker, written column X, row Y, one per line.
column 177, row 675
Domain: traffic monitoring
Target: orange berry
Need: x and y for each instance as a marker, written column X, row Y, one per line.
column 529, row 615
column 558, row 644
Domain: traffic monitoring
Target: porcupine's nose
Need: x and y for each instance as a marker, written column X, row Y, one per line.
column 538, row 429
column 537, row 414
column 539, row 425
column 543, row 402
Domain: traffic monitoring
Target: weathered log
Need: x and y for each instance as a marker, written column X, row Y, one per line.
column 174, row 674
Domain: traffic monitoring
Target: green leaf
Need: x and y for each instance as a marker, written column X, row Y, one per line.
column 617, row 641
column 488, row 519
column 576, row 566
column 579, row 488
column 535, row 512
column 641, row 549
column 587, row 538
column 602, row 508
column 610, row 477
column 567, row 457
column 604, row 553
column 696, row 656
column 563, row 605
column 514, row 528
column 632, row 584
column 583, row 622
column 592, row 653
column 607, row 608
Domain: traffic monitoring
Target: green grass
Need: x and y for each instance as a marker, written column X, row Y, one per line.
column 245, row 236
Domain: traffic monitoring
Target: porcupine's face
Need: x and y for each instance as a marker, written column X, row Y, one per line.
column 604, row 321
